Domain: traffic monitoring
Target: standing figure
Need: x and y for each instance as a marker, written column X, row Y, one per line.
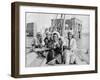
column 70, row 49
column 73, row 49
column 65, row 50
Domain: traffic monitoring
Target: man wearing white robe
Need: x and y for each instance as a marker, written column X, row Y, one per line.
column 69, row 54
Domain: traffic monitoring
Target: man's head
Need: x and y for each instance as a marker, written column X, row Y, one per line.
column 48, row 34
column 39, row 35
column 70, row 34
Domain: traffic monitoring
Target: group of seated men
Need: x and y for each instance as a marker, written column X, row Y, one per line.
column 60, row 50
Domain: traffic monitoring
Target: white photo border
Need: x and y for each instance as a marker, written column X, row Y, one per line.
column 55, row 69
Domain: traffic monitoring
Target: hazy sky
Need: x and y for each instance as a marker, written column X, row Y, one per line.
column 44, row 20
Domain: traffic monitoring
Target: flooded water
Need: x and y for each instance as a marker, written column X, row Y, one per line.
column 84, row 42
column 84, row 45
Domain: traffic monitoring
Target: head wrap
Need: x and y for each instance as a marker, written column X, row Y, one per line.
column 55, row 32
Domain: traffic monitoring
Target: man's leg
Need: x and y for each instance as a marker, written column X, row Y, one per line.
column 73, row 58
column 67, row 57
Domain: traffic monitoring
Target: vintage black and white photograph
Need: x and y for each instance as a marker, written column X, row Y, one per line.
column 54, row 39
